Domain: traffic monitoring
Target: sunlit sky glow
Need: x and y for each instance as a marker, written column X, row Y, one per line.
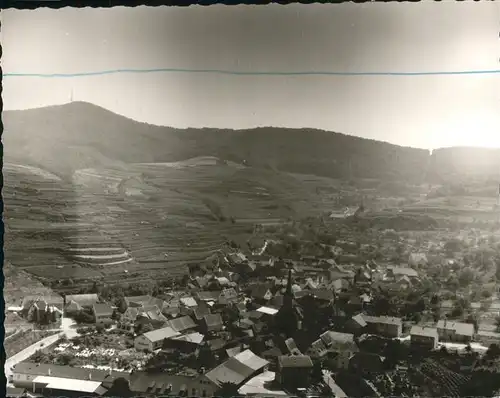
column 421, row 111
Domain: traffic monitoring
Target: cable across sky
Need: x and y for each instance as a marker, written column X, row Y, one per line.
column 249, row 73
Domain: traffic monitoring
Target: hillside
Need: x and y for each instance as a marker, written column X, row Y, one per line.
column 62, row 139
column 91, row 194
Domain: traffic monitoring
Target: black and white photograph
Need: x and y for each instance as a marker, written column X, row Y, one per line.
column 296, row 200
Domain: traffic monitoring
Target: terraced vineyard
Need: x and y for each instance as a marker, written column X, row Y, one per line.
column 445, row 381
column 145, row 221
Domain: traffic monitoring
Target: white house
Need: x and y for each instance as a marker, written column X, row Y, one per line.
column 153, row 340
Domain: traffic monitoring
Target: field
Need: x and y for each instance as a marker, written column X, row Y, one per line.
column 149, row 220
column 142, row 222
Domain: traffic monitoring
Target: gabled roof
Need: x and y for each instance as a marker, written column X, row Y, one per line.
column 259, row 291
column 237, row 368
column 103, row 309
column 423, row 331
column 201, row 311
column 161, row 334
column 182, row 324
column 383, row 319
column 460, row 328
column 295, row 361
column 213, row 320
column 337, row 341
column 85, row 300
column 317, row 348
column 42, row 369
column 208, row 295
column 188, row 302
column 403, row 271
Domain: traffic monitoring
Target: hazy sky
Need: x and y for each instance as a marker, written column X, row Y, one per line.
column 423, row 111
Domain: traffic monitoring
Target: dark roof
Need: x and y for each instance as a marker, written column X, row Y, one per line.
column 85, row 300
column 182, row 323
column 158, row 383
column 232, row 371
column 67, row 372
column 259, row 291
column 102, row 309
column 216, row 344
column 201, row 311
column 339, row 341
column 295, row 361
column 323, row 294
column 208, row 295
column 212, row 320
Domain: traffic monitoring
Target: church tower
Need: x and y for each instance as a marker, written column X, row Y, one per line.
column 289, row 317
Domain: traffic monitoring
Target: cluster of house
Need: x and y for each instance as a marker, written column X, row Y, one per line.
column 221, row 317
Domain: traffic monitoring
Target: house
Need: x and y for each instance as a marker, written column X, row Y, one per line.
column 57, row 380
column 72, row 307
column 487, row 338
column 144, row 301
column 208, row 296
column 103, row 314
column 200, row 311
column 455, row 331
column 338, row 272
column 237, row 369
column 182, row 324
column 43, row 313
column 384, row 325
column 212, row 323
column 399, row 272
column 186, row 343
column 317, row 349
column 188, row 302
column 341, row 346
column 261, row 292
column 161, row 384
column 152, row 341
column 339, row 285
column 227, row 296
column 294, row 371
column 417, row 260
column 149, row 315
column 82, row 300
column 52, row 300
column 424, row 338
column 356, row 324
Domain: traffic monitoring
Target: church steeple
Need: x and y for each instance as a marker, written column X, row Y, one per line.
column 288, row 296
column 289, row 291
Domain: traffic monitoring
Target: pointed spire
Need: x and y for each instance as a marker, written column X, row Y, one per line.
column 289, row 284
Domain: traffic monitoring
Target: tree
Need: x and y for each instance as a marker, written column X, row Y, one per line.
column 120, row 388
column 227, row 390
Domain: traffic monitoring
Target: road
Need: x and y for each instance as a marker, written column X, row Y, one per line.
column 66, row 330
column 27, row 352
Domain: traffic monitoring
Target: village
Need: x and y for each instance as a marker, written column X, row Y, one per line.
column 402, row 316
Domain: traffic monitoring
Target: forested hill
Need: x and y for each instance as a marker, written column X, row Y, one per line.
column 62, row 139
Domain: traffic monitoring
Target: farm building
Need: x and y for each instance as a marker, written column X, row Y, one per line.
column 237, row 369
column 59, row 380
column 103, row 314
column 82, row 300
column 152, row 341
column 455, row 331
column 294, row 371
column 424, row 338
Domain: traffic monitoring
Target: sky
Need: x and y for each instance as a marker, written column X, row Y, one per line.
column 420, row 111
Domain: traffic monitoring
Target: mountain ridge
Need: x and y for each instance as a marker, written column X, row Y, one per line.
column 65, row 138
